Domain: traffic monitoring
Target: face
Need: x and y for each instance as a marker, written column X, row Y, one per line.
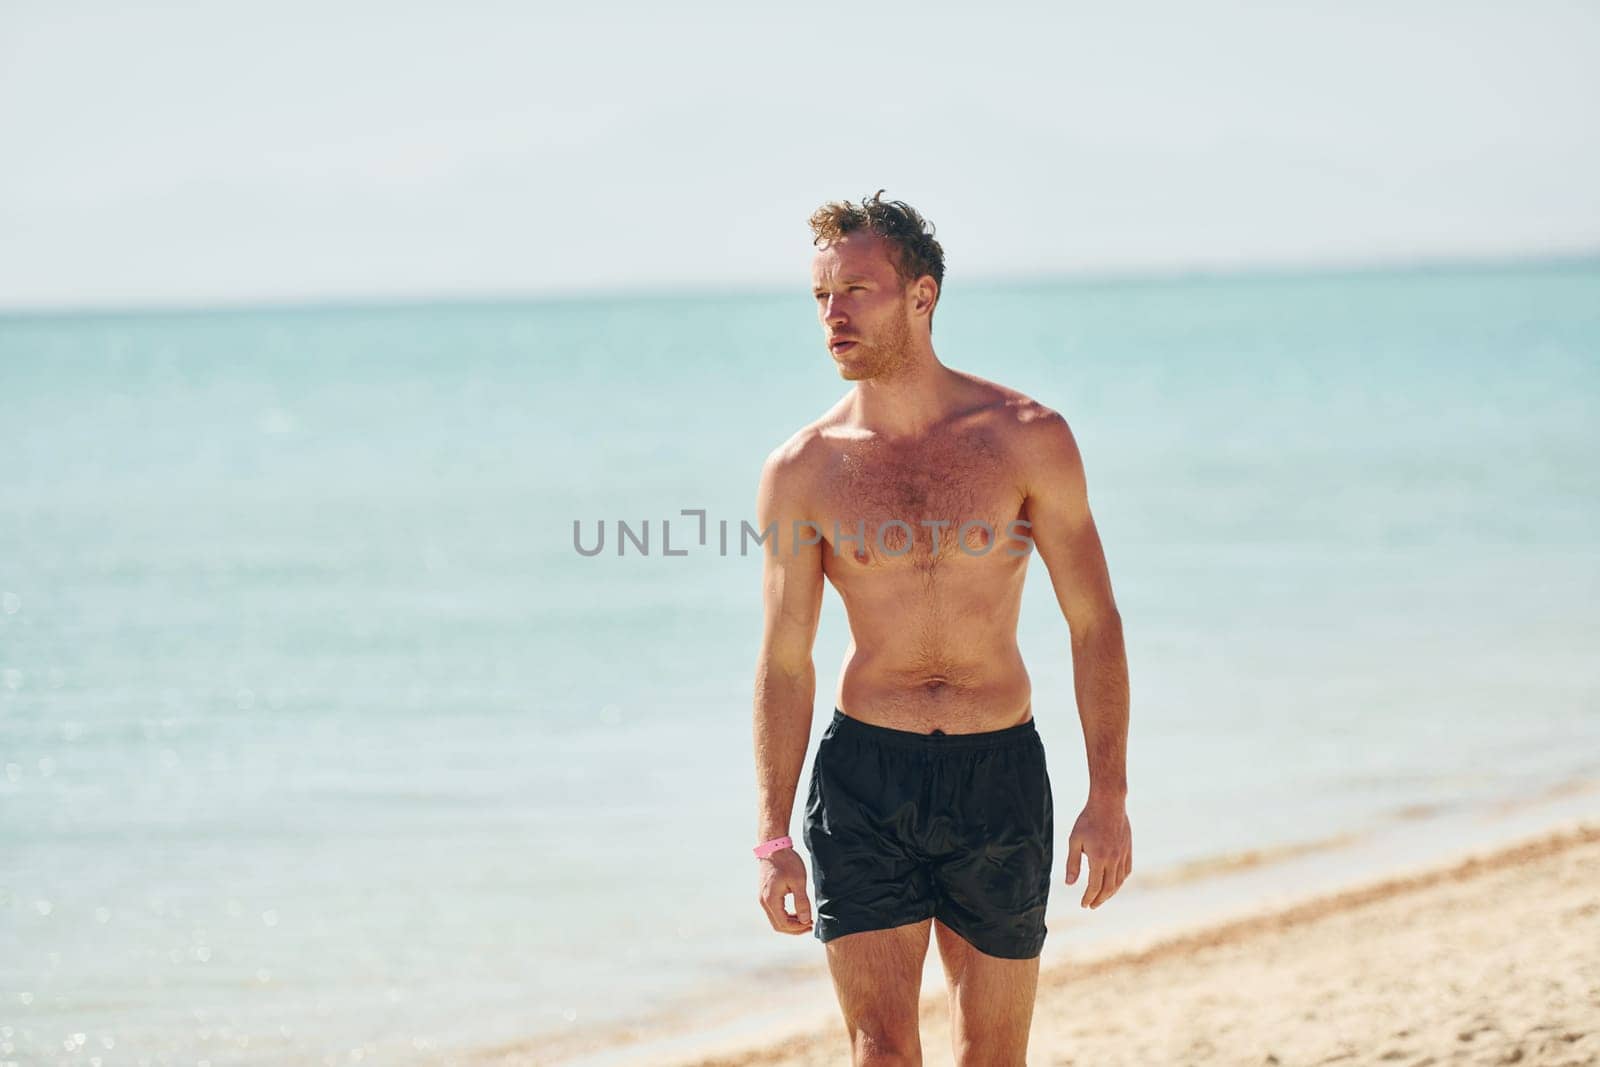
column 864, row 309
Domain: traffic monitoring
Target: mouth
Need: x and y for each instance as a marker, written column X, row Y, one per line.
column 839, row 346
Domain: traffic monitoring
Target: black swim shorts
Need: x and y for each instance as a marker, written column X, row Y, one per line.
column 902, row 826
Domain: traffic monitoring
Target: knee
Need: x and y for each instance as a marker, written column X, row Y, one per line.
column 975, row 1051
column 885, row 1046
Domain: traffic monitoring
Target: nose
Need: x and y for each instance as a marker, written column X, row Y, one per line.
column 832, row 313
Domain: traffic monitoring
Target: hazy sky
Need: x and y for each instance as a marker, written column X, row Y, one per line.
column 240, row 151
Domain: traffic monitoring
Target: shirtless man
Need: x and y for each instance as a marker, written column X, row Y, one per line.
column 920, row 496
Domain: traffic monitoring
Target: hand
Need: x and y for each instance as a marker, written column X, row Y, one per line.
column 1103, row 835
column 782, row 873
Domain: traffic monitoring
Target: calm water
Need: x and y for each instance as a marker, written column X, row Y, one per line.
column 321, row 743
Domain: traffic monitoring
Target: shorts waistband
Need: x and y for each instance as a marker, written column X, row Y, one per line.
column 843, row 724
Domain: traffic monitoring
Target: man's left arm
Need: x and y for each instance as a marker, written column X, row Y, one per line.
column 1063, row 531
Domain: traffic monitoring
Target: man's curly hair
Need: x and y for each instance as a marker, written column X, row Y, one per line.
column 915, row 252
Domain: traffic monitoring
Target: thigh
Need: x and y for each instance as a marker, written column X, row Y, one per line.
column 878, row 978
column 991, row 1002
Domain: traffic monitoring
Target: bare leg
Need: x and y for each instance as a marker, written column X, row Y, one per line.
column 991, row 1002
column 878, row 977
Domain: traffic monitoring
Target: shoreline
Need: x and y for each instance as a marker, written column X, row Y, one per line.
column 772, row 1016
column 1294, row 986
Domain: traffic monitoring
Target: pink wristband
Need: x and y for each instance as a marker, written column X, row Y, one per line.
column 767, row 848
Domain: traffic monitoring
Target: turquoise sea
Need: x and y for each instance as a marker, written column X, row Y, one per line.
column 320, row 743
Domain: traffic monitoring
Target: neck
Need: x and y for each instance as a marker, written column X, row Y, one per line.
column 906, row 401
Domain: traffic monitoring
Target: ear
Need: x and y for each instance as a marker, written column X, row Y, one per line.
column 924, row 292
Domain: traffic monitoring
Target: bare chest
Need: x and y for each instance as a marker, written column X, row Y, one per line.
column 948, row 499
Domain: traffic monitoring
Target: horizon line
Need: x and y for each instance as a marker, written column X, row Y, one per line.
column 1150, row 275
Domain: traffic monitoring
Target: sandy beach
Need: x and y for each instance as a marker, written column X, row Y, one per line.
column 1494, row 959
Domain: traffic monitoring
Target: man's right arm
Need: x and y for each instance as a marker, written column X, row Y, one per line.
column 786, row 682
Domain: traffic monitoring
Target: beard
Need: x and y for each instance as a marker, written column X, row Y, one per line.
column 880, row 357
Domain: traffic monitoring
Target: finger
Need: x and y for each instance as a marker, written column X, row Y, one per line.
column 802, row 906
column 1097, row 877
column 1074, row 857
column 1114, row 882
column 794, row 916
column 793, row 923
column 1114, row 877
column 772, row 902
column 775, row 916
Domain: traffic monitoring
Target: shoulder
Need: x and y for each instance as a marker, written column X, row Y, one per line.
column 790, row 469
column 1044, row 432
column 1051, row 467
column 791, row 460
column 1042, row 450
column 1035, row 429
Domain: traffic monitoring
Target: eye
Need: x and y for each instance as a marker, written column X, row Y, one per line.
column 853, row 288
